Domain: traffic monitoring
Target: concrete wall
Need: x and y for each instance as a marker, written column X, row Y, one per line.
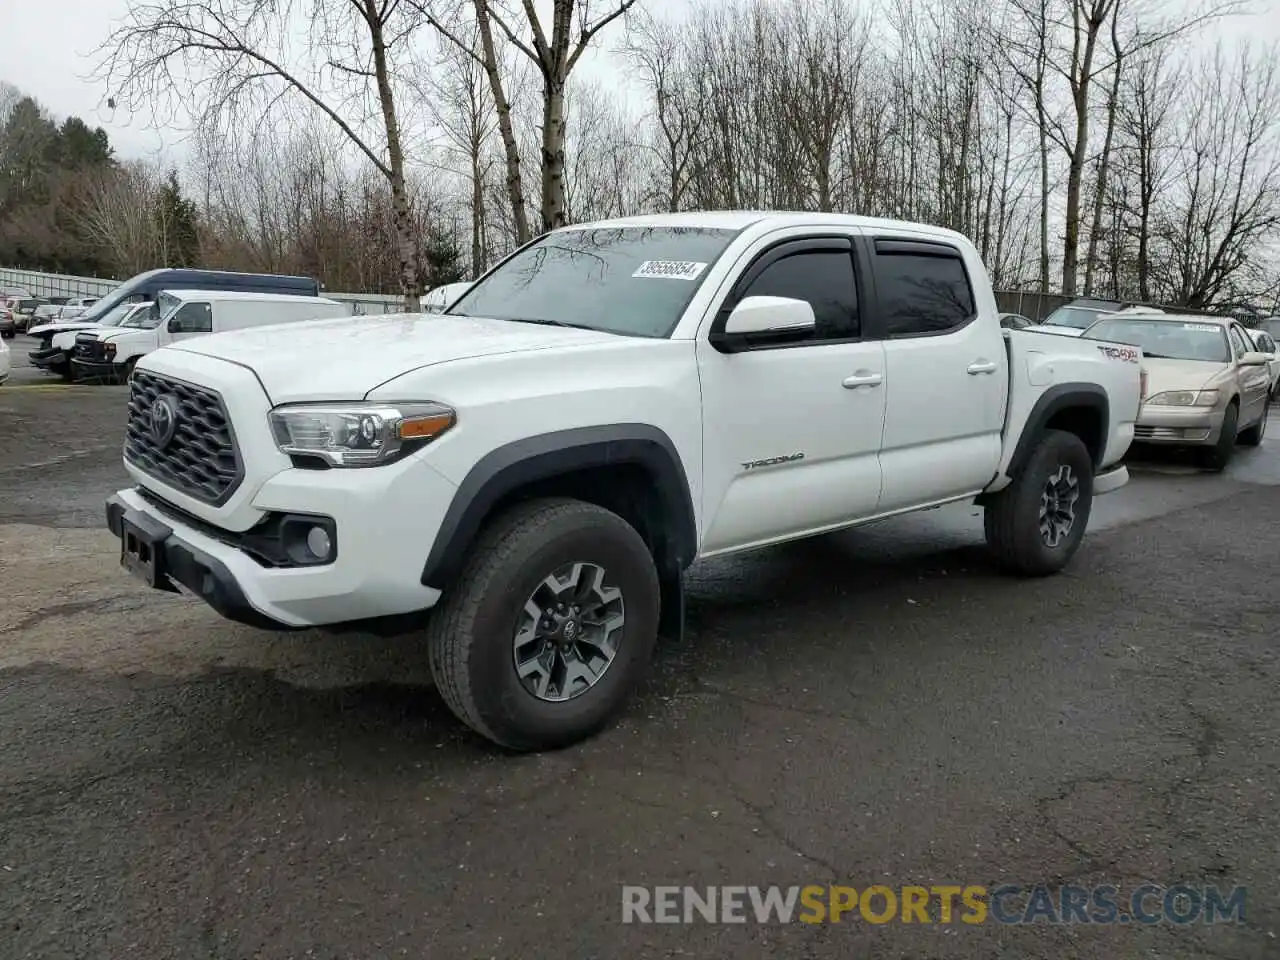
column 50, row 285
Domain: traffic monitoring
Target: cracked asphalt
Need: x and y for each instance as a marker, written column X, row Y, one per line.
column 875, row 707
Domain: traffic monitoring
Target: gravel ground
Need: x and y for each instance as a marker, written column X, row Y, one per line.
column 875, row 707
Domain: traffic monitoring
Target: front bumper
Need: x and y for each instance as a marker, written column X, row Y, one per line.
column 92, row 369
column 1180, row 426
column 51, row 358
column 385, row 519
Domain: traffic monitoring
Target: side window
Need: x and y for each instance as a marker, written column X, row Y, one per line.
column 920, row 292
column 1238, row 345
column 192, row 318
column 823, row 278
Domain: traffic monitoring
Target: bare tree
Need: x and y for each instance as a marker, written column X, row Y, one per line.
column 464, row 109
column 225, row 56
column 117, row 215
column 1228, row 180
column 554, row 54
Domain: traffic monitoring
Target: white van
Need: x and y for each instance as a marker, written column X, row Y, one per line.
column 439, row 299
column 111, row 352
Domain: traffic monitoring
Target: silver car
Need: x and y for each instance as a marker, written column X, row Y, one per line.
column 1206, row 385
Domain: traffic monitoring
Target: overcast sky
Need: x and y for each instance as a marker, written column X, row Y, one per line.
column 47, row 46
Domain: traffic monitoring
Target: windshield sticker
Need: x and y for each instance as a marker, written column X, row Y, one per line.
column 670, row 269
column 1127, row 354
column 1201, row 327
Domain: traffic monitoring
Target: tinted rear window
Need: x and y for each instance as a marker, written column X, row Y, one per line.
column 922, row 294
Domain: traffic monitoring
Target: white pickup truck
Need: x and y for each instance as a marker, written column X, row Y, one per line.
column 609, row 404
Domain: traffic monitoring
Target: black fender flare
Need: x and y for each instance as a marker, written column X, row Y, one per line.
column 1059, row 397
column 508, row 468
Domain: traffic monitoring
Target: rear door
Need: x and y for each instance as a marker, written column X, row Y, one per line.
column 946, row 371
column 792, row 430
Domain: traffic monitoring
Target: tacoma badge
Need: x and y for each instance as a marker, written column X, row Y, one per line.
column 772, row 461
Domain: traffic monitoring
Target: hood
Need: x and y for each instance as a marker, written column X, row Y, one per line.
column 346, row 357
column 61, row 326
column 1164, row 375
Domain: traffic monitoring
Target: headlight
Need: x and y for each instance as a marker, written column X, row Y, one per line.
column 1184, row 398
column 109, row 349
column 359, row 434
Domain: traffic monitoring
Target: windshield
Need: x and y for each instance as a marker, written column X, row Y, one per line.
column 634, row 281
column 1077, row 318
column 1168, row 339
column 142, row 315
column 114, row 317
column 166, row 304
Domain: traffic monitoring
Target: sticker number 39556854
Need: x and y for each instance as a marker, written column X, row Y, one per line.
column 670, row 269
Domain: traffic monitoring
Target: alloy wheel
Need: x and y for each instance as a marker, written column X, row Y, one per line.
column 567, row 633
column 1058, row 506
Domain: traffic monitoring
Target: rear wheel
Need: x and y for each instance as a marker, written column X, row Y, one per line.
column 1220, row 454
column 1034, row 526
column 549, row 626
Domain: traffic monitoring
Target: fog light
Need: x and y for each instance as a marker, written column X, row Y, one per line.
column 318, row 543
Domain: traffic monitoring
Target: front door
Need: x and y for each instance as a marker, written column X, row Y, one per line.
column 791, row 432
column 192, row 319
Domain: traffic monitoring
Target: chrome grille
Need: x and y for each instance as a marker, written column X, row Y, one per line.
column 88, row 347
column 200, row 458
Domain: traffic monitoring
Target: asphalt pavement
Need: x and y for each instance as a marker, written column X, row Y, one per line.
column 874, row 707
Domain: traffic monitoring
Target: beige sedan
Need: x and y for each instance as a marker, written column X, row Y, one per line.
column 1206, row 385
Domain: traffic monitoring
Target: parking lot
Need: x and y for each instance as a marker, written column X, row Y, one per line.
column 874, row 707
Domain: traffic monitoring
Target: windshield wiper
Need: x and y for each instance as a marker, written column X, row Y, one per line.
column 541, row 321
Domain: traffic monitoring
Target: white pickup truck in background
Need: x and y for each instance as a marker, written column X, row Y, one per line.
column 534, row 470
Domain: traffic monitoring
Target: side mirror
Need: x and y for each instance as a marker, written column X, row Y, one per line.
column 1254, row 359
column 173, row 326
column 763, row 319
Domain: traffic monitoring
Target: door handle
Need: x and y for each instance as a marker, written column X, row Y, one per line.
column 981, row 366
column 863, row 379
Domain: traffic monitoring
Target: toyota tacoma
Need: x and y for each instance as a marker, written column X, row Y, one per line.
column 527, row 476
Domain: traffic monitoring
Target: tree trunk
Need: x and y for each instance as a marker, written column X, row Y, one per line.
column 406, row 237
column 554, row 212
column 477, row 210
column 1071, row 231
column 1100, row 186
column 510, row 148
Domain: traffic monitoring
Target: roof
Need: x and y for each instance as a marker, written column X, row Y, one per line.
column 741, row 219
column 187, row 295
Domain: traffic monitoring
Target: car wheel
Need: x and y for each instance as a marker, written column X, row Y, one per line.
column 1034, row 526
column 1220, row 454
column 1253, row 436
column 549, row 626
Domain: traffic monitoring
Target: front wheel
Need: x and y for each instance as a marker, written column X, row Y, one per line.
column 1219, row 455
column 1034, row 526
column 549, row 626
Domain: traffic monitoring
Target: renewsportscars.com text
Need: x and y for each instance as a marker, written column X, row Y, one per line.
column 1146, row 903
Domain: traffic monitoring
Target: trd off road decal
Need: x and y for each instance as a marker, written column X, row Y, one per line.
column 670, row 269
column 1127, row 354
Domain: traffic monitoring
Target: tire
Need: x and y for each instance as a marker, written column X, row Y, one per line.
column 1013, row 522
column 471, row 633
column 1253, row 436
column 1219, row 455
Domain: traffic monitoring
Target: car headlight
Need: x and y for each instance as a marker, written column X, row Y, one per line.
column 359, row 434
column 1184, row 398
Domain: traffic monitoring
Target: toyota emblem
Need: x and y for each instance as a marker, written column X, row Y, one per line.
column 164, row 420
